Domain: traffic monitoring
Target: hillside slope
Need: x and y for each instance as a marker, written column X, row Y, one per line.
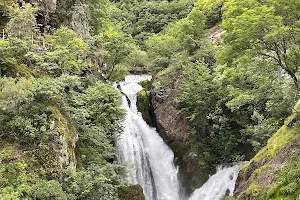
column 274, row 173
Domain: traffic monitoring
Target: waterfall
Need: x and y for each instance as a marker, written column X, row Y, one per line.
column 218, row 185
column 149, row 161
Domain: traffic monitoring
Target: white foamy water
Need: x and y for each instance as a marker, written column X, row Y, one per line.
column 218, row 185
column 149, row 159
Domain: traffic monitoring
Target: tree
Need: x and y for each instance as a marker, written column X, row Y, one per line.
column 12, row 56
column 143, row 18
column 68, row 51
column 22, row 23
column 197, row 95
column 182, row 37
column 254, row 98
column 116, row 46
column 94, row 10
column 257, row 30
column 211, row 10
column 48, row 190
column 21, row 30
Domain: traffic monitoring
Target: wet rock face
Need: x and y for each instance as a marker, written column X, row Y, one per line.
column 170, row 122
column 131, row 192
column 143, row 105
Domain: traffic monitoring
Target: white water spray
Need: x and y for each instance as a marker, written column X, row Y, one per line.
column 218, row 185
column 150, row 160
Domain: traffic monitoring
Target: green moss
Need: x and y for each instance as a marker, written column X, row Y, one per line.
column 254, row 190
column 145, row 84
column 143, row 104
column 15, row 168
column 132, row 192
column 142, row 94
column 277, row 142
column 229, row 198
column 166, row 71
column 288, row 184
column 257, row 158
column 143, row 100
column 65, row 128
column 259, row 171
column 281, row 139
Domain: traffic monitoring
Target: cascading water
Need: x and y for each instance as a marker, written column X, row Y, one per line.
column 150, row 161
column 218, row 185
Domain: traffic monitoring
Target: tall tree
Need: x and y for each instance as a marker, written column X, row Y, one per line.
column 259, row 30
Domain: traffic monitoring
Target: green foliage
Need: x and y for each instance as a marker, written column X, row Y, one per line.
column 281, row 150
column 96, row 10
column 142, row 18
column 48, row 190
column 179, row 43
column 160, row 49
column 12, row 55
column 32, row 119
column 22, row 23
column 259, row 30
column 117, row 46
column 137, row 58
column 96, row 181
column 211, row 9
column 56, row 109
column 243, row 100
column 5, row 6
column 248, row 96
column 15, row 94
column 13, row 175
column 197, row 79
column 77, row 184
column 67, row 50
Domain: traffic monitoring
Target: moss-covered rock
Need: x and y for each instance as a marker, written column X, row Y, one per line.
column 143, row 101
column 67, row 137
column 143, row 105
column 145, row 84
column 274, row 173
column 132, row 192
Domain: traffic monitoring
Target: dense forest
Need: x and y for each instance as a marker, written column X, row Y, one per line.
column 231, row 67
